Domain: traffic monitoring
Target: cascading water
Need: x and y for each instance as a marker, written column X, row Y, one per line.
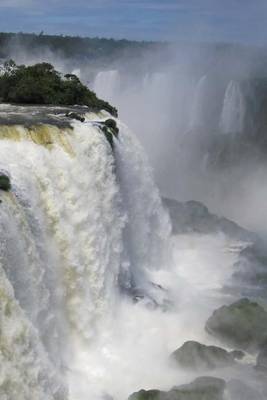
column 198, row 107
column 234, row 110
column 81, row 223
column 148, row 228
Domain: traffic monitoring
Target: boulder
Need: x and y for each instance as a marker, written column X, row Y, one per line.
column 238, row 390
column 261, row 364
column 197, row 356
column 111, row 124
column 74, row 115
column 242, row 324
column 203, row 388
column 5, row 182
column 110, row 129
column 193, row 216
column 250, row 271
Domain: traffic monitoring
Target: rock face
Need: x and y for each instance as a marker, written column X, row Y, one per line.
column 203, row 388
column 110, row 129
column 74, row 115
column 197, row 356
column 243, row 324
column 238, row 390
column 193, row 216
column 262, row 359
column 250, row 274
column 5, row 183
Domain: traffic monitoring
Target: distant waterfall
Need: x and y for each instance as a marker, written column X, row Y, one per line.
column 80, row 221
column 198, row 108
column 234, row 109
column 106, row 84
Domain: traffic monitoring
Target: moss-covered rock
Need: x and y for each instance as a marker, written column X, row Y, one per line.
column 112, row 125
column 5, row 183
column 197, row 356
column 110, row 130
column 242, row 324
column 203, row 388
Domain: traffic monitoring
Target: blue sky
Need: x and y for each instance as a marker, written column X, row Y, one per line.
column 216, row 20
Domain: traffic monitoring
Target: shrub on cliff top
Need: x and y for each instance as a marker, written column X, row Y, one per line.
column 42, row 84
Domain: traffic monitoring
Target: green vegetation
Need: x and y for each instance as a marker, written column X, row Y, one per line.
column 74, row 47
column 110, row 129
column 5, row 183
column 42, row 84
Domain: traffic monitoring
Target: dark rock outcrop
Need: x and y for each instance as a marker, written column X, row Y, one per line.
column 197, row 356
column 110, row 130
column 250, row 274
column 193, row 216
column 203, row 388
column 111, row 124
column 242, row 324
column 74, row 115
column 238, row 390
column 262, row 359
column 5, row 183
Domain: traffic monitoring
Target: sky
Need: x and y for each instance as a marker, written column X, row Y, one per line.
column 242, row 21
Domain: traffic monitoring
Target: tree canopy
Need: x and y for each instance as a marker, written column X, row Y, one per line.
column 42, row 84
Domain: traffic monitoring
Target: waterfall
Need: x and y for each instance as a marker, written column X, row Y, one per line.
column 234, row 109
column 81, row 223
column 198, row 114
column 148, row 229
column 106, row 84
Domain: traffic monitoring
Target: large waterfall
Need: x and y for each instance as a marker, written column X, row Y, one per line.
column 82, row 225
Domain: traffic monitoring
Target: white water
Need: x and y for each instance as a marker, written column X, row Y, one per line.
column 199, row 100
column 82, row 232
column 133, row 346
column 66, row 238
column 234, row 110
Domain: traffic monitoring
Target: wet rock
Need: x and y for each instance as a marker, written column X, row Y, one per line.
column 111, row 124
column 74, row 115
column 250, row 274
column 193, row 216
column 110, row 130
column 238, row 390
column 5, row 183
column 242, row 324
column 203, row 388
column 261, row 364
column 197, row 356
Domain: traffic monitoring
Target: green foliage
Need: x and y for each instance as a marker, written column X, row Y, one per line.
column 42, row 84
column 110, row 129
column 111, row 124
column 90, row 49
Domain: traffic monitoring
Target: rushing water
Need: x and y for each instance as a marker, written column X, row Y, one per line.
column 234, row 110
column 80, row 224
column 95, row 293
